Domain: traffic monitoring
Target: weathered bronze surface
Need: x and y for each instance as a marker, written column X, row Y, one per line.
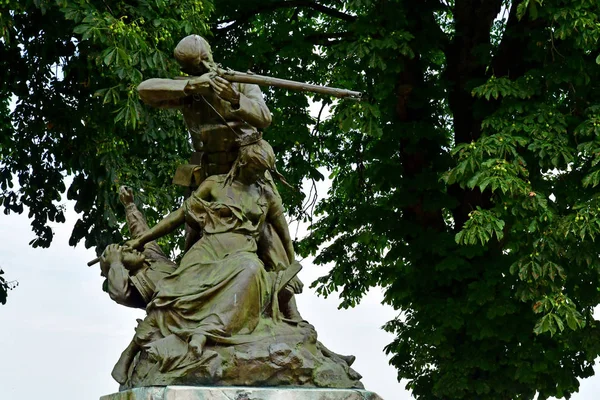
column 240, row 393
column 226, row 314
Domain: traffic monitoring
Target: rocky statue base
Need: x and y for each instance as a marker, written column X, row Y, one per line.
column 274, row 355
column 239, row 393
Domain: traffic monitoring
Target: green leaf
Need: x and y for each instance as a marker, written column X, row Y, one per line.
column 544, row 325
column 572, row 322
column 558, row 321
column 80, row 29
column 109, row 57
column 533, row 10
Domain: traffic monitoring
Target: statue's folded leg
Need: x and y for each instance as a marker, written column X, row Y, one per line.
column 288, row 306
column 335, row 356
column 121, row 369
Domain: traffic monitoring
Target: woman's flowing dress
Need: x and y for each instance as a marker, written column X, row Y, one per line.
column 221, row 287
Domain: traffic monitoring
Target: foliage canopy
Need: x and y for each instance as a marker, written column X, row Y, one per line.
column 465, row 185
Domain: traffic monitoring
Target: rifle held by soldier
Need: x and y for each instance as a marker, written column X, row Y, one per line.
column 262, row 80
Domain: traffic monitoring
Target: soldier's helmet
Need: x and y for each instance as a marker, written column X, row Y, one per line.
column 194, row 55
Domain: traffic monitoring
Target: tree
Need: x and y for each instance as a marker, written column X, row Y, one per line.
column 5, row 286
column 465, row 184
column 72, row 68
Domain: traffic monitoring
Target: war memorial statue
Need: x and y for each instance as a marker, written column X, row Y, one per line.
column 223, row 322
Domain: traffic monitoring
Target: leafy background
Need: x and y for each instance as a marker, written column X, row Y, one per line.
column 465, row 184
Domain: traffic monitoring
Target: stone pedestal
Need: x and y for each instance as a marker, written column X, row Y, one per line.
column 239, row 393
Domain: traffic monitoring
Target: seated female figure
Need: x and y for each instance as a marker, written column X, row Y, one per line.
column 220, row 289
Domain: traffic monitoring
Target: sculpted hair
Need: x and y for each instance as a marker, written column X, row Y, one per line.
column 259, row 153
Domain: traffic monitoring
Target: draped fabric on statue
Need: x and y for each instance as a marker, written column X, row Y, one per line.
column 221, row 287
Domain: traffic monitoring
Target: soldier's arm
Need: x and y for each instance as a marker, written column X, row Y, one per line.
column 162, row 93
column 119, row 288
column 252, row 107
column 169, row 93
column 117, row 276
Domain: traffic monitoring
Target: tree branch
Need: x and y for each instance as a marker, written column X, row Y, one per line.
column 323, row 39
column 244, row 17
column 319, row 39
column 473, row 21
column 510, row 57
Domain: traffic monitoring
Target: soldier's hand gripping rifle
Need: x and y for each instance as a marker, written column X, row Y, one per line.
column 262, row 80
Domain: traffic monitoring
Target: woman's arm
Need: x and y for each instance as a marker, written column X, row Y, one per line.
column 204, row 191
column 164, row 227
column 281, row 227
column 171, row 221
column 276, row 217
column 252, row 107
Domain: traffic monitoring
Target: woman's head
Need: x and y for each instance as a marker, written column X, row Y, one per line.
column 252, row 162
column 194, row 55
column 259, row 155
